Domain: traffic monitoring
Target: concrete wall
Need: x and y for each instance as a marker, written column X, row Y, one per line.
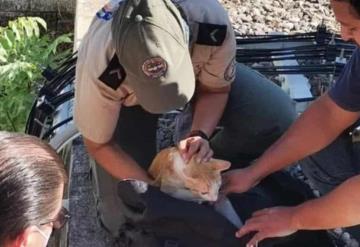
column 85, row 11
column 59, row 13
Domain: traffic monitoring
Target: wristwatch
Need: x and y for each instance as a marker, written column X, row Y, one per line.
column 199, row 133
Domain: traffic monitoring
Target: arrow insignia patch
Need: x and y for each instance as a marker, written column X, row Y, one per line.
column 211, row 34
column 114, row 74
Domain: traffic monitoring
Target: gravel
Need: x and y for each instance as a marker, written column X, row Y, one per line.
column 285, row 16
column 84, row 228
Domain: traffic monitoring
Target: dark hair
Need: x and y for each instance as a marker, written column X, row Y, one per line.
column 355, row 4
column 31, row 174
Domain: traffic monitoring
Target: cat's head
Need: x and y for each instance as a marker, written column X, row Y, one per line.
column 204, row 179
column 193, row 181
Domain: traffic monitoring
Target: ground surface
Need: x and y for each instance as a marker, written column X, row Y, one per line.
column 266, row 16
column 85, row 229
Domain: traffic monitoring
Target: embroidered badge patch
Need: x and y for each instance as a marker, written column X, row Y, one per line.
column 155, row 67
column 211, row 34
column 230, row 70
column 114, row 74
column 106, row 12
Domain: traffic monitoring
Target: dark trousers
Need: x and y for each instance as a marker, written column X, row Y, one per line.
column 332, row 166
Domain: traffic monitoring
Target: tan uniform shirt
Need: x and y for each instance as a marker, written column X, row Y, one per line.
column 97, row 104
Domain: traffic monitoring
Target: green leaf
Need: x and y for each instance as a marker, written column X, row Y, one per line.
column 40, row 21
column 25, row 24
column 23, row 47
column 9, row 39
column 35, row 26
column 52, row 48
column 15, row 28
column 3, row 55
column 4, row 43
column 59, row 40
column 5, row 70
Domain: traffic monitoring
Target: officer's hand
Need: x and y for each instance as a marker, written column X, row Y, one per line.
column 195, row 146
column 238, row 181
column 269, row 223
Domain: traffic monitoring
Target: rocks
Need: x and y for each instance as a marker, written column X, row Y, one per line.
column 287, row 16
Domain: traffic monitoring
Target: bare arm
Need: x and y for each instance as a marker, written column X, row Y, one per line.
column 339, row 208
column 317, row 127
column 209, row 107
column 115, row 161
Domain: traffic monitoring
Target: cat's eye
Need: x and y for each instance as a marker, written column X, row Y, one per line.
column 204, row 193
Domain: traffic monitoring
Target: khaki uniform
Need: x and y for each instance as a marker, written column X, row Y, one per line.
column 98, row 104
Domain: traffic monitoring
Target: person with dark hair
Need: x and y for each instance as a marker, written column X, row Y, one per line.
column 142, row 58
column 32, row 179
column 333, row 167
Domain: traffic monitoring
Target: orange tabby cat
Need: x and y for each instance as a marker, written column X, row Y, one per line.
column 192, row 181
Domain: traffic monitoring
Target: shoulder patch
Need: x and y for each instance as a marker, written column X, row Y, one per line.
column 211, row 34
column 114, row 74
column 106, row 12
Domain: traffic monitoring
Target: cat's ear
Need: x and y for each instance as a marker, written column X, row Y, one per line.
column 220, row 165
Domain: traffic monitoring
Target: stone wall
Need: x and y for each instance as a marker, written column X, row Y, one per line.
column 58, row 13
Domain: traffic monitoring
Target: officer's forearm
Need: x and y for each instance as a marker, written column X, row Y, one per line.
column 115, row 161
column 209, row 107
column 339, row 208
column 315, row 129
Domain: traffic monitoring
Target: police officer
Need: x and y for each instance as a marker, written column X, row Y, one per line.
column 141, row 58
